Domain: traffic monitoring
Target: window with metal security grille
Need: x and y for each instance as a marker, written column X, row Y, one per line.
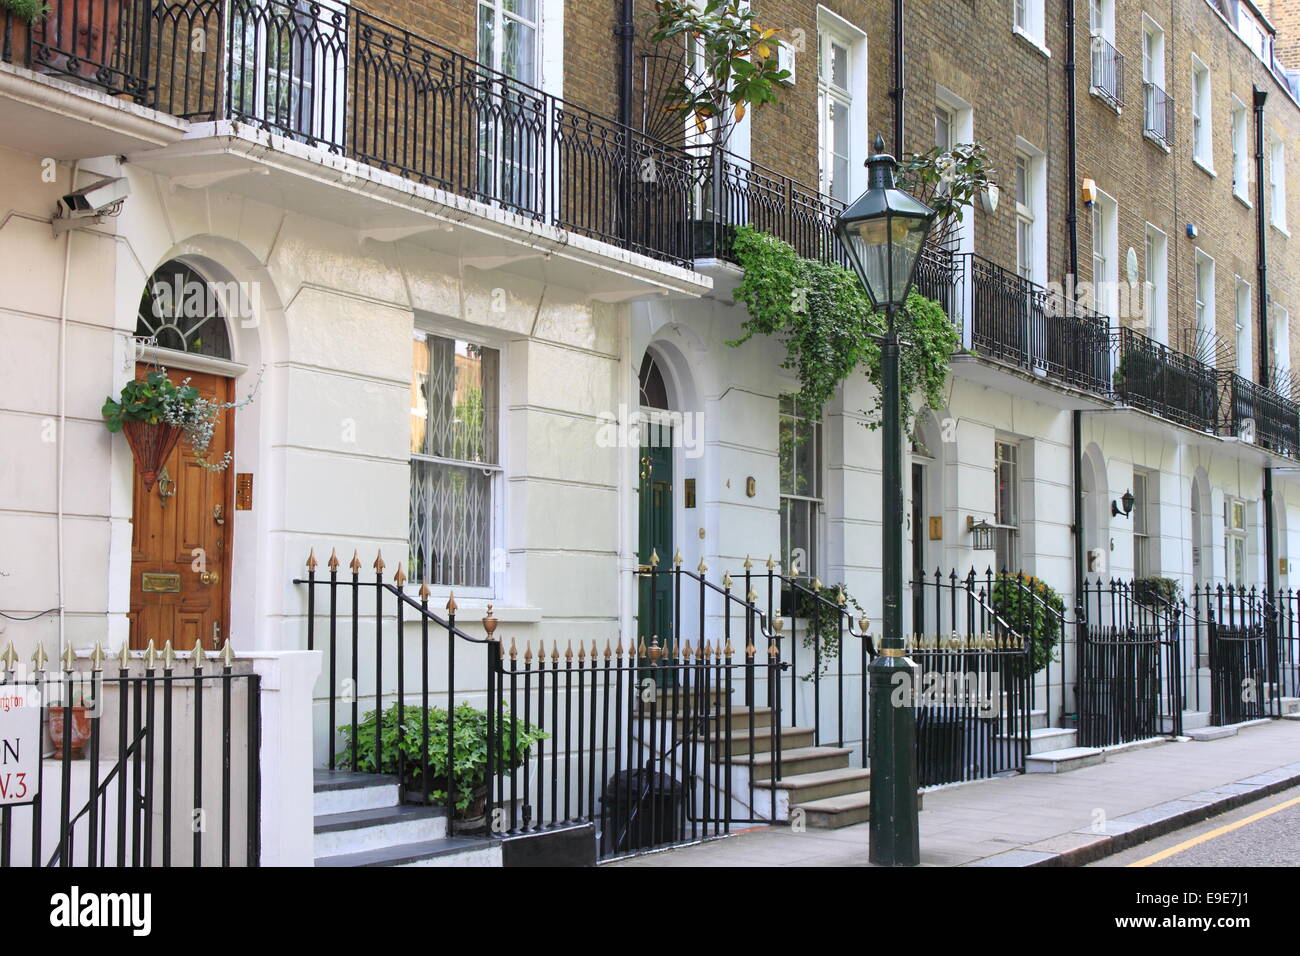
column 1235, row 540
column 1144, row 565
column 835, row 101
column 1006, row 513
column 455, row 467
column 800, row 460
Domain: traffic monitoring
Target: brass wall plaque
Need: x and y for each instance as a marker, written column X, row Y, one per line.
column 690, row 493
column 244, row 491
column 152, row 582
column 936, row 529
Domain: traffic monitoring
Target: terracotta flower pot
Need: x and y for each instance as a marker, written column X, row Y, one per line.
column 150, row 444
column 79, row 36
column 13, row 39
column 80, row 730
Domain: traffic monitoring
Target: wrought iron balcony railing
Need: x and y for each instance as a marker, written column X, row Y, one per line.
column 1035, row 328
column 1165, row 382
column 1157, row 114
column 1107, row 72
column 1254, row 413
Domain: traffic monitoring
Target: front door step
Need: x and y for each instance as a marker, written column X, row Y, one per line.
column 807, row 787
column 449, row 851
column 831, row 813
column 796, row 761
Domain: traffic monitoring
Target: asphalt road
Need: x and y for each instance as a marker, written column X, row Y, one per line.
column 1263, row 833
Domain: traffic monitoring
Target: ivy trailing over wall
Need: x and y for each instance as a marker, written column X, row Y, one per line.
column 821, row 314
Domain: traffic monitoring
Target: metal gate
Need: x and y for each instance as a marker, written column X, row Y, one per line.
column 1242, row 628
column 1130, row 681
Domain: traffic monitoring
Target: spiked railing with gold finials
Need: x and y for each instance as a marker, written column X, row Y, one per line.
column 416, row 780
column 182, row 789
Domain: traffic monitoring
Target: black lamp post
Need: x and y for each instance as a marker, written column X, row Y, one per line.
column 882, row 233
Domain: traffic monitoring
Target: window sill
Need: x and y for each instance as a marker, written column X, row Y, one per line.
column 472, row 609
column 1155, row 140
column 1204, row 167
column 1243, row 200
column 1033, row 41
column 1281, row 228
column 1107, row 100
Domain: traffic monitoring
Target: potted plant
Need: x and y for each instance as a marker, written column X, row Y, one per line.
column 80, row 38
column 402, row 742
column 17, row 16
column 1156, row 591
column 155, row 413
column 1034, row 610
column 80, row 728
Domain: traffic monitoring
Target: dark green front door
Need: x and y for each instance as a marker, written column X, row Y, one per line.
column 655, row 592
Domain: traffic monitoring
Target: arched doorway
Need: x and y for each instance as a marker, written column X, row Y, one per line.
column 1095, row 492
column 181, row 527
column 656, row 535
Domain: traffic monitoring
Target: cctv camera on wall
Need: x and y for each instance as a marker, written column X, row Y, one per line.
column 92, row 203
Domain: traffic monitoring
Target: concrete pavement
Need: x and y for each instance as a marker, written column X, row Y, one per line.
column 1045, row 819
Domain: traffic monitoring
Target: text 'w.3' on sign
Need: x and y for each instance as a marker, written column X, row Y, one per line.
column 20, row 746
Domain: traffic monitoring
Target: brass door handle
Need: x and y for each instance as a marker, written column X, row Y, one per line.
column 210, row 577
column 218, row 515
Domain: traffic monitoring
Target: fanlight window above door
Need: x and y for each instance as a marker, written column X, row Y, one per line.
column 180, row 310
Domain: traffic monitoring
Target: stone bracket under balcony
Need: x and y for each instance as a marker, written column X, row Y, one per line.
column 386, row 207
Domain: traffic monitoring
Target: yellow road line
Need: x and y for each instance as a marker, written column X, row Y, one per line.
column 1227, row 828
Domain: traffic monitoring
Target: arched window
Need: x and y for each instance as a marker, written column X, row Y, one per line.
column 654, row 391
column 180, row 310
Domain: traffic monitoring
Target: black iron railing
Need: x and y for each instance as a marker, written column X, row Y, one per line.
column 1166, row 382
column 155, row 761
column 1017, row 321
column 1253, row 413
column 1107, row 71
column 1157, row 114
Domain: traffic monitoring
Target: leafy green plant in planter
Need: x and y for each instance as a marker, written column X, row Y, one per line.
column 25, row 10
column 1032, row 608
column 822, row 617
column 821, row 314
column 469, row 763
column 155, row 413
column 1156, row 591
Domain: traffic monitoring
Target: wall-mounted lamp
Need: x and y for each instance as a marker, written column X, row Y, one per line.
column 989, row 198
column 981, row 533
column 1124, row 507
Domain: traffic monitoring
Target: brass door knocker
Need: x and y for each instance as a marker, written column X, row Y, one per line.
column 166, row 487
column 647, row 469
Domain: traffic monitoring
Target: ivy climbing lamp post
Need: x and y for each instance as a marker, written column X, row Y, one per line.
column 882, row 233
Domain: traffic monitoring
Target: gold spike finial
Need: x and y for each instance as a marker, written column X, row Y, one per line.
column 677, row 558
column 227, row 655
column 750, row 649
column 654, row 558
column 333, row 563
column 379, row 562
column 514, row 649
column 169, row 656
column 355, row 564
column 451, row 602
column 771, row 562
column 726, row 580
column 424, row 590
column 727, row 650
column 311, row 560
column 9, row 658
column 150, row 656
column 400, row 577
column 69, row 659
column 702, row 567
column 608, row 651
column 778, row 624
column 582, row 653
column 97, row 657
column 748, row 563
column 528, row 653
column 641, row 650
column 773, row 651
column 123, row 657
column 555, row 651
column 197, row 656
column 817, row 584
column 568, row 651
column 752, row 596
column 840, row 597
column 687, row 651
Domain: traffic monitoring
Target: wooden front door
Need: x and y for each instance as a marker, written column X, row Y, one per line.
column 180, row 540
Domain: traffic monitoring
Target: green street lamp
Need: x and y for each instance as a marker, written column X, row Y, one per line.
column 882, row 233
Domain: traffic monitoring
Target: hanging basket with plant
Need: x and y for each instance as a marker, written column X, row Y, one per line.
column 155, row 413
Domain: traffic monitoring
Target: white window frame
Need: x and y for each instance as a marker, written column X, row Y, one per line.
column 1242, row 326
column 1236, row 536
column 496, row 544
column 1240, row 151
column 1032, row 212
column 1202, row 116
column 834, row 28
column 500, row 14
column 1156, row 272
column 1203, row 287
column 1281, row 346
column 962, row 130
column 1007, row 524
column 1028, row 20
column 1105, row 256
column 815, row 503
column 1145, row 561
column 1277, row 184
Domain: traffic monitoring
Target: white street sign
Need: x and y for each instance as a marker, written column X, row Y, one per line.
column 20, row 745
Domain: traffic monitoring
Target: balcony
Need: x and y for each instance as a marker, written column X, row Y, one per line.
column 1259, row 415
column 1107, row 73
column 1019, row 322
column 1160, row 380
column 1157, row 115
column 343, row 81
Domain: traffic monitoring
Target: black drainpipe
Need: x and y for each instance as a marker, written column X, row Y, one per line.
column 1261, row 266
column 626, row 33
column 1072, row 231
column 897, row 92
